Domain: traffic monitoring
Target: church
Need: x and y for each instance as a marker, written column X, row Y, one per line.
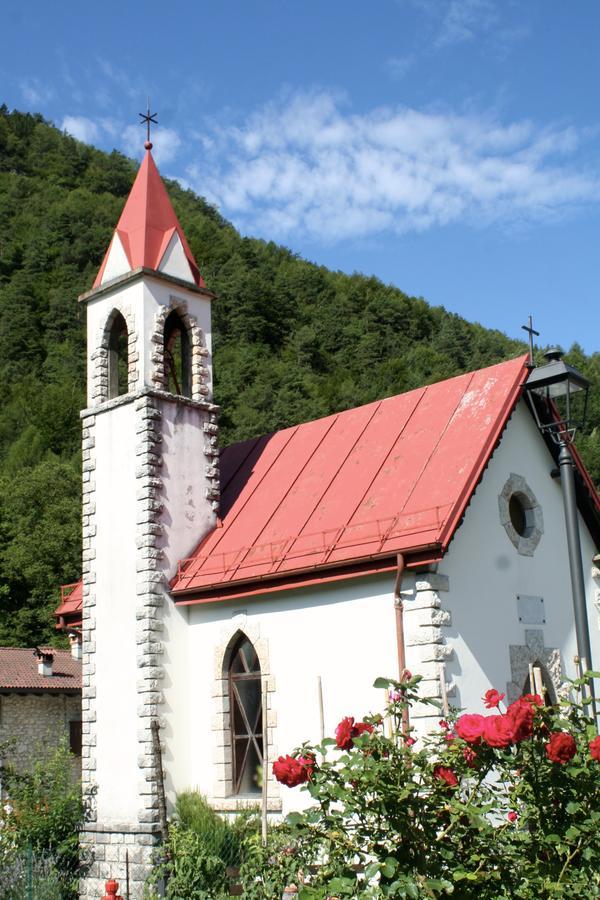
column 237, row 602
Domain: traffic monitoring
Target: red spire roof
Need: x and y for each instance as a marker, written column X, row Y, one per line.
column 147, row 224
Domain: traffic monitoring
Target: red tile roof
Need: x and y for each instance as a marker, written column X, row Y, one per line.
column 19, row 671
column 148, row 222
column 359, row 486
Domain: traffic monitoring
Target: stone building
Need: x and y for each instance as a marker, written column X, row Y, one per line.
column 228, row 595
column 40, row 705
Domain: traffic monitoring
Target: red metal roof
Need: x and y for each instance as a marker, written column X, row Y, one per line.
column 147, row 224
column 362, row 485
column 18, row 671
column 71, row 604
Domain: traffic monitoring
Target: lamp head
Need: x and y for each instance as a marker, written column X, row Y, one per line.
column 561, row 393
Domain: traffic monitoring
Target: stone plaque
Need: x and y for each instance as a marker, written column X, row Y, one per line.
column 531, row 610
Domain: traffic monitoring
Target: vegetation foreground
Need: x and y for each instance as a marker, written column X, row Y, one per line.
column 504, row 805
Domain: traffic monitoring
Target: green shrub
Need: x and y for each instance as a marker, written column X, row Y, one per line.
column 202, row 846
column 44, row 812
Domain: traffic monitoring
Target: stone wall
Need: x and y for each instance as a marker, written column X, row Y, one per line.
column 37, row 723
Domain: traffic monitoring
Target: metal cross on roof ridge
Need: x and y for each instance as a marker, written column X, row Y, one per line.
column 530, row 331
column 147, row 119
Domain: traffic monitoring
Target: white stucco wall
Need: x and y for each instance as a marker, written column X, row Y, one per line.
column 486, row 573
column 115, row 638
column 344, row 633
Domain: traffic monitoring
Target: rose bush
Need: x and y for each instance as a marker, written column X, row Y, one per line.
column 497, row 806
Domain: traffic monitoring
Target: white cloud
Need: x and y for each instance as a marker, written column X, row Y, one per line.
column 35, row 93
column 165, row 141
column 82, row 128
column 464, row 19
column 307, row 164
column 398, row 66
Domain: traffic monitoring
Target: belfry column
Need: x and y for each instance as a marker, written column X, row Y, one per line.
column 150, row 493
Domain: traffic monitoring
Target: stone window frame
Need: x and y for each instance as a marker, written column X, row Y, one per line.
column 198, row 350
column 533, row 652
column 525, row 544
column 223, row 797
column 100, row 357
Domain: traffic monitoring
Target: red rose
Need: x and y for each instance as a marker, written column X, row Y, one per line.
column 498, row 731
column 343, row 733
column 535, row 699
column 362, row 728
column 512, row 816
column 561, row 748
column 291, row 771
column 595, row 748
column 347, row 731
column 443, row 773
column 470, row 727
column 470, row 757
column 520, row 714
column 443, row 724
column 492, row 698
column 409, row 741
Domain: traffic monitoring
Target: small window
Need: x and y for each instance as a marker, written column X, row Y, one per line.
column 118, row 357
column 75, row 738
column 177, row 356
column 518, row 513
column 245, row 698
column 521, row 515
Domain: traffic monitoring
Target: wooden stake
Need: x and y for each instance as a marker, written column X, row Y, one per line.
column 160, row 783
column 539, row 683
column 265, row 765
column 531, row 680
column 444, row 693
column 321, row 711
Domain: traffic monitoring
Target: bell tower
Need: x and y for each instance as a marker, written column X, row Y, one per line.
column 150, row 493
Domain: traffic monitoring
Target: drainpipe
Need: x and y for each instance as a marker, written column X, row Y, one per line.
column 399, row 610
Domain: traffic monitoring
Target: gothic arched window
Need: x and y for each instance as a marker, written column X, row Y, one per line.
column 538, row 681
column 118, row 357
column 245, row 704
column 177, row 356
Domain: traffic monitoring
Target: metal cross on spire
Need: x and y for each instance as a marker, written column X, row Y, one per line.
column 147, row 119
column 530, row 331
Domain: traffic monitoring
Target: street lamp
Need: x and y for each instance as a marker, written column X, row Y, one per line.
column 559, row 395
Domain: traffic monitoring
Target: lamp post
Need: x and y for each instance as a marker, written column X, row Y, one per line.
column 559, row 395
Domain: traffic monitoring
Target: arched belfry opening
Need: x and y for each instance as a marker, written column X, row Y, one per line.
column 177, row 356
column 118, row 357
column 246, row 716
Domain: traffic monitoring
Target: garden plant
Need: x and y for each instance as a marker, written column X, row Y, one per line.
column 503, row 805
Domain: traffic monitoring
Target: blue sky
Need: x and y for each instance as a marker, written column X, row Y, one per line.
column 451, row 147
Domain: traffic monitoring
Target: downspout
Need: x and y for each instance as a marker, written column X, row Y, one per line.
column 401, row 646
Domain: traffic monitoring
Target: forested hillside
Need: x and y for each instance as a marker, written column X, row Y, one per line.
column 293, row 341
